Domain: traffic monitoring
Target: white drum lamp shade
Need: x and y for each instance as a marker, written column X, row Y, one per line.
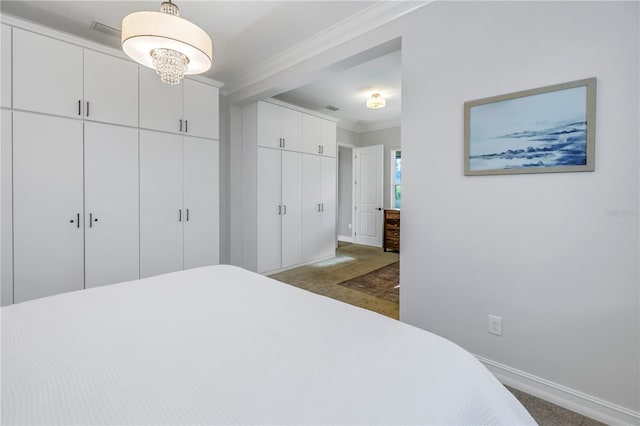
column 168, row 38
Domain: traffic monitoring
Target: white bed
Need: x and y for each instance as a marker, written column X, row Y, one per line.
column 221, row 345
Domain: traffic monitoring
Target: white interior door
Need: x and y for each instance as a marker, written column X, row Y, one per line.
column 111, row 204
column 368, row 190
column 161, row 210
column 269, row 210
column 311, row 206
column 328, row 209
column 6, row 228
column 201, row 203
column 291, row 208
column 47, row 205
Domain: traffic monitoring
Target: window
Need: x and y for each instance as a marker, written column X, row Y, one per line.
column 396, row 178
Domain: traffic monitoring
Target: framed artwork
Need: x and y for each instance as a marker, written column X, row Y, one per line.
column 544, row 130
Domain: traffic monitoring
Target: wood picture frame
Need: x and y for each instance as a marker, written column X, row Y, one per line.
column 545, row 130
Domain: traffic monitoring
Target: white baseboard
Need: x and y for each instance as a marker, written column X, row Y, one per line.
column 345, row 238
column 563, row 396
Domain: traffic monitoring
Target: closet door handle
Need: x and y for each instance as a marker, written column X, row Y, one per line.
column 280, row 146
column 179, row 215
column 90, row 220
column 79, row 107
column 87, row 108
column 279, row 209
column 284, row 209
column 187, row 215
column 318, row 206
column 186, row 126
column 181, row 125
column 319, row 149
column 77, row 221
column 321, row 207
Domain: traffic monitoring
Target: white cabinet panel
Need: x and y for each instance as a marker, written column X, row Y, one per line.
column 311, row 136
column 292, row 129
column 201, row 203
column 48, row 233
column 269, row 125
column 6, row 231
column 110, row 89
column 111, row 204
column 201, row 109
column 269, row 210
column 160, row 103
column 311, row 206
column 161, row 215
column 6, row 66
column 279, row 127
column 291, row 208
column 50, row 81
column 329, row 136
column 327, row 243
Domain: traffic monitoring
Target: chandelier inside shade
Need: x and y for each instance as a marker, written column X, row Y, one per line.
column 170, row 65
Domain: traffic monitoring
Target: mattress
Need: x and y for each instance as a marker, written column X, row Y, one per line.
column 222, row 345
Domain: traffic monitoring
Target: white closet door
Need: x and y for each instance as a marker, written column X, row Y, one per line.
column 292, row 129
column 160, row 103
column 311, row 205
column 292, row 208
column 6, row 224
column 329, row 137
column 269, row 125
column 111, row 204
column 201, row 106
column 161, row 211
column 5, row 63
column 311, row 134
column 47, row 202
column 117, row 101
column 269, row 210
column 47, row 74
column 201, row 203
column 328, row 214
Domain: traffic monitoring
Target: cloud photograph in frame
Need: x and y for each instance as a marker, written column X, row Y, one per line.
column 544, row 130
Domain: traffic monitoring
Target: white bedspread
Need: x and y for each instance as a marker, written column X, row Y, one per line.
column 221, row 345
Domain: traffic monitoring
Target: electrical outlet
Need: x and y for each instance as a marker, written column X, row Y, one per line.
column 349, row 226
column 495, row 325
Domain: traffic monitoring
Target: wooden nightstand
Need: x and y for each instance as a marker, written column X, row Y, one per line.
column 391, row 231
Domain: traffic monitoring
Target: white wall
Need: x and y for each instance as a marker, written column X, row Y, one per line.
column 555, row 255
column 390, row 138
column 345, row 191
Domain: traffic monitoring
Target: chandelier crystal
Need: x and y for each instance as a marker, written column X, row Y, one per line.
column 170, row 65
column 163, row 41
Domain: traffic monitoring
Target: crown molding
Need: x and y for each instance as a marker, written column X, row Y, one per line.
column 356, row 25
column 379, row 125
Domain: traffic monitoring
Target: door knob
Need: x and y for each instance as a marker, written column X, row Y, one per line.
column 379, row 208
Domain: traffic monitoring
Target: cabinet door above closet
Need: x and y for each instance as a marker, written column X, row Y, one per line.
column 160, row 103
column 47, row 74
column 5, row 63
column 201, row 109
column 116, row 99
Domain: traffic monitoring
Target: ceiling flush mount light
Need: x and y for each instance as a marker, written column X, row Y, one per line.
column 167, row 43
column 376, row 101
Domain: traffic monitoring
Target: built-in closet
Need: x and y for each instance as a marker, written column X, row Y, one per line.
column 109, row 175
column 290, row 186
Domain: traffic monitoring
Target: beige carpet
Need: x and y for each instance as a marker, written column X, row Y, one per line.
column 351, row 261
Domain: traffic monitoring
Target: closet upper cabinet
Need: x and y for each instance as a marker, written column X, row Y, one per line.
column 200, row 109
column 5, row 62
column 190, row 108
column 110, row 89
column 279, row 127
column 318, row 136
column 47, row 75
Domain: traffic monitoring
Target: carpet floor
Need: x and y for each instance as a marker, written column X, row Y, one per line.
column 365, row 276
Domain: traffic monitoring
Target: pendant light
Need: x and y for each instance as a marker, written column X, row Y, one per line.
column 376, row 101
column 167, row 43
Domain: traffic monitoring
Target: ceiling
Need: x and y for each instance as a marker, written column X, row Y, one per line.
column 246, row 36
